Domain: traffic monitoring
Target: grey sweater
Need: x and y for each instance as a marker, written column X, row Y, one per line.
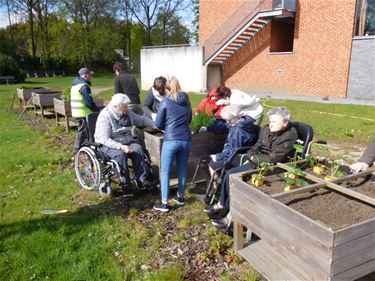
column 111, row 133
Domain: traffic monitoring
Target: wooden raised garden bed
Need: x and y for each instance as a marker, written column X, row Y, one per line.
column 201, row 146
column 44, row 100
column 63, row 108
column 323, row 231
column 24, row 95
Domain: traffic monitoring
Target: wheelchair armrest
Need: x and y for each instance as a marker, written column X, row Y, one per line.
column 240, row 150
column 89, row 143
column 321, row 142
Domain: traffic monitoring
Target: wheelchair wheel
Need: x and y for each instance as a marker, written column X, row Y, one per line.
column 105, row 190
column 87, row 168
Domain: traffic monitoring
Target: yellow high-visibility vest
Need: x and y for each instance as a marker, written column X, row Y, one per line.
column 77, row 102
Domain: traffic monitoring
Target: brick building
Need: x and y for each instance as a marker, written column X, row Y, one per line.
column 306, row 47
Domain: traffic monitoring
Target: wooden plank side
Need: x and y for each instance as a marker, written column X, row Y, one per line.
column 294, row 248
column 354, row 231
column 354, row 246
column 353, row 261
column 270, row 263
column 356, row 272
column 311, row 227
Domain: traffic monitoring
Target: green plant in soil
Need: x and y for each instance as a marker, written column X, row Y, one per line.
column 201, row 119
column 65, row 95
column 333, row 169
column 263, row 168
column 294, row 176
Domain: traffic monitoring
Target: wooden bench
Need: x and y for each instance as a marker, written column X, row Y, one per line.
column 8, row 79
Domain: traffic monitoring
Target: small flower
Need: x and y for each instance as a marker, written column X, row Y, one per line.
column 300, row 141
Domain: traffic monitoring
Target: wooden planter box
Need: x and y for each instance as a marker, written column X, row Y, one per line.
column 44, row 100
column 63, row 108
column 25, row 94
column 294, row 246
column 201, row 146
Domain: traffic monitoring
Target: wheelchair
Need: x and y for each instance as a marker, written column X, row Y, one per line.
column 305, row 133
column 96, row 171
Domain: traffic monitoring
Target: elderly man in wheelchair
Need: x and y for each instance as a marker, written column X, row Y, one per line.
column 275, row 144
column 103, row 159
column 113, row 131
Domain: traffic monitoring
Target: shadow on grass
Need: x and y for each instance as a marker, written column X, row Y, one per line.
column 116, row 206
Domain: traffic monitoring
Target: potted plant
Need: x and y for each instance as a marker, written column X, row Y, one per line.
column 258, row 178
column 334, row 169
column 199, row 120
column 293, row 177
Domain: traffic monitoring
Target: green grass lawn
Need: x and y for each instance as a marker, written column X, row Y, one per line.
column 97, row 239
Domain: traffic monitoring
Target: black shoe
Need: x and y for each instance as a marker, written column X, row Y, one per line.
column 143, row 185
column 127, row 189
column 224, row 222
column 179, row 200
column 214, row 209
column 159, row 206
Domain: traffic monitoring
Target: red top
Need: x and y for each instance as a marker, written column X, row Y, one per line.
column 209, row 106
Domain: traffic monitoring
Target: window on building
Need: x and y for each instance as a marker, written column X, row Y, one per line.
column 365, row 18
column 282, row 35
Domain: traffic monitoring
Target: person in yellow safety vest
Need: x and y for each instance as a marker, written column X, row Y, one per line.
column 82, row 104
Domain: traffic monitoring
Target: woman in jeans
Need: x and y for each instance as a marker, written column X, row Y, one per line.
column 174, row 116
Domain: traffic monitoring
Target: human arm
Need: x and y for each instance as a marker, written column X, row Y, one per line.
column 149, row 99
column 103, row 131
column 366, row 160
column 140, row 121
column 160, row 116
column 89, row 101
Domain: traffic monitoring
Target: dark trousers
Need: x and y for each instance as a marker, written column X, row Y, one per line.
column 121, row 158
column 81, row 134
column 224, row 196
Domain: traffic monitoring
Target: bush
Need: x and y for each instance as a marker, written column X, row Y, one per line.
column 9, row 67
column 65, row 95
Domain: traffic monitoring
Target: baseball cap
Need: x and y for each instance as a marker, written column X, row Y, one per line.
column 84, row 71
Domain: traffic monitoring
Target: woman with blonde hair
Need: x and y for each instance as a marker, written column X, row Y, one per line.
column 174, row 116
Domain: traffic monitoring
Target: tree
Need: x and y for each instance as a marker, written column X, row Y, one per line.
column 145, row 11
column 195, row 32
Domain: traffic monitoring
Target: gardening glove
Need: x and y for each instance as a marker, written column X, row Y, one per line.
column 153, row 116
column 223, row 102
column 357, row 167
column 202, row 129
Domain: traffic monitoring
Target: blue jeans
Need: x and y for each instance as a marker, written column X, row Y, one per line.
column 173, row 149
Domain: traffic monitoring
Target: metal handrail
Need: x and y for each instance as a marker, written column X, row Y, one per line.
column 218, row 38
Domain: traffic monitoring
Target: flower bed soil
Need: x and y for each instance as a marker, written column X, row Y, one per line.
column 333, row 209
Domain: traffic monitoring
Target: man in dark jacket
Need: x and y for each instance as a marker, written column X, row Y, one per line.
column 82, row 104
column 275, row 144
column 126, row 84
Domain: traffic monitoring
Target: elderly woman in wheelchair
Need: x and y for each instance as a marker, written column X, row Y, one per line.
column 113, row 132
column 275, row 144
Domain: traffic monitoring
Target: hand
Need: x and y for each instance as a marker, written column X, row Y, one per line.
column 126, row 149
column 357, row 167
column 223, row 102
column 153, row 116
column 202, row 129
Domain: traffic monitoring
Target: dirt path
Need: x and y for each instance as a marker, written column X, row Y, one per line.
column 97, row 90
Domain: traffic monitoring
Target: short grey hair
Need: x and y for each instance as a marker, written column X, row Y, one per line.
column 282, row 111
column 230, row 112
column 119, row 99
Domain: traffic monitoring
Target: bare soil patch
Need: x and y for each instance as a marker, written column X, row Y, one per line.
column 333, row 209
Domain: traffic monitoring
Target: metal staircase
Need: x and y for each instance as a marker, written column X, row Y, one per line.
column 247, row 21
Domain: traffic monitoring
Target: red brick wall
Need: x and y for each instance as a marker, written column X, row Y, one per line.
column 319, row 63
column 212, row 13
